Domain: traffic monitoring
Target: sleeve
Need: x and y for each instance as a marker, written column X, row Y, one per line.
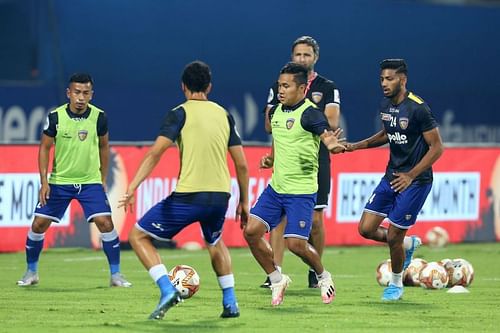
column 234, row 136
column 332, row 93
column 172, row 123
column 425, row 118
column 102, row 124
column 50, row 126
column 272, row 97
column 314, row 121
column 271, row 112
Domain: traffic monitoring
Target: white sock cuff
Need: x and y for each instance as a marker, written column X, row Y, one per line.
column 226, row 281
column 326, row 274
column 278, row 268
column 109, row 236
column 397, row 279
column 275, row 276
column 157, row 271
column 34, row 236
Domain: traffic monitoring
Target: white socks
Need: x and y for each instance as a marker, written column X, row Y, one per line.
column 157, row 271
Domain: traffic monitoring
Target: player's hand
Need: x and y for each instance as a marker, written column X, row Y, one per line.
column 349, row 147
column 44, row 194
column 266, row 162
column 242, row 214
column 401, row 181
column 333, row 141
column 127, row 200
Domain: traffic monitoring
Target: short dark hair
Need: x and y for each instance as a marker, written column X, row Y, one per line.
column 197, row 76
column 299, row 72
column 81, row 78
column 397, row 64
column 309, row 41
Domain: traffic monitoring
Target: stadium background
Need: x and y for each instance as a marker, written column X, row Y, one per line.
column 136, row 51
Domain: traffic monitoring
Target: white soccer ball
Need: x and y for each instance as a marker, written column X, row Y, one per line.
column 461, row 273
column 437, row 237
column 185, row 279
column 411, row 274
column 384, row 273
column 433, row 276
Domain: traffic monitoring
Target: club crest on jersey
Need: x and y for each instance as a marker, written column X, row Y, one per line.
column 316, row 96
column 289, row 123
column 302, row 224
column 82, row 134
column 403, row 123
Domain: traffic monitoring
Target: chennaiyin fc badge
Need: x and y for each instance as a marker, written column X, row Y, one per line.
column 82, row 134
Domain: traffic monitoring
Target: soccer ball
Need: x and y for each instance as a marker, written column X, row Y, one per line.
column 185, row 280
column 433, row 276
column 461, row 273
column 437, row 237
column 411, row 274
column 384, row 273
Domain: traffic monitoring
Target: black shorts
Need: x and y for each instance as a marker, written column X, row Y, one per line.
column 323, row 178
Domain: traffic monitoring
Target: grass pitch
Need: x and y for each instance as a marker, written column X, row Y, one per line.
column 73, row 295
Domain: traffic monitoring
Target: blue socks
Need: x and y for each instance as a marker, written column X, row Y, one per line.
column 34, row 246
column 111, row 247
column 228, row 296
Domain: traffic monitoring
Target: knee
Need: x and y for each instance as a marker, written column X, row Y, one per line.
column 253, row 231
column 364, row 232
column 296, row 246
column 40, row 225
column 104, row 224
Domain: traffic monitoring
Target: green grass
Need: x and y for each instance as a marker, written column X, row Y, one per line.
column 73, row 295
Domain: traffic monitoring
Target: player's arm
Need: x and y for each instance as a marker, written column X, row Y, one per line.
column 104, row 157
column 315, row 121
column 378, row 139
column 147, row 165
column 46, row 143
column 241, row 167
column 169, row 132
column 267, row 123
column 403, row 179
column 237, row 154
column 332, row 113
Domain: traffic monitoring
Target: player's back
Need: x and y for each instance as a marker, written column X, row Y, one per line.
column 203, row 143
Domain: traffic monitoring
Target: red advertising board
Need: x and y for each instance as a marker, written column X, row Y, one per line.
column 465, row 197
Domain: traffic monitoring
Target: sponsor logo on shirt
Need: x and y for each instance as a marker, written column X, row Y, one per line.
column 385, row 116
column 397, row 138
column 393, row 110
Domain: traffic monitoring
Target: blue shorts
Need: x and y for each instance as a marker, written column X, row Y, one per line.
column 91, row 197
column 168, row 217
column 401, row 208
column 298, row 208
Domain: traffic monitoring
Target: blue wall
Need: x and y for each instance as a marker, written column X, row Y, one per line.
column 136, row 51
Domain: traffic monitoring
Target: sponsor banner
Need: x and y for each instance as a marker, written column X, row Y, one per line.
column 465, row 197
column 18, row 199
column 454, row 196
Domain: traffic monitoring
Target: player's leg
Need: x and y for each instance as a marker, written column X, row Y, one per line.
column 299, row 210
column 162, row 222
column 317, row 240
column 54, row 209
column 277, row 243
column 96, row 209
column 265, row 216
column 212, row 221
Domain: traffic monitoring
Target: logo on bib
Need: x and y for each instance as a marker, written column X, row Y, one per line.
column 289, row 123
column 82, row 134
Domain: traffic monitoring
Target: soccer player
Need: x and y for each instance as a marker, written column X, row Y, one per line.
column 325, row 94
column 205, row 132
column 297, row 128
column 79, row 131
column 415, row 144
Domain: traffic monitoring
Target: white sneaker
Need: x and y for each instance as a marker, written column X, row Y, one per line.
column 327, row 289
column 278, row 290
column 118, row 280
column 29, row 278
